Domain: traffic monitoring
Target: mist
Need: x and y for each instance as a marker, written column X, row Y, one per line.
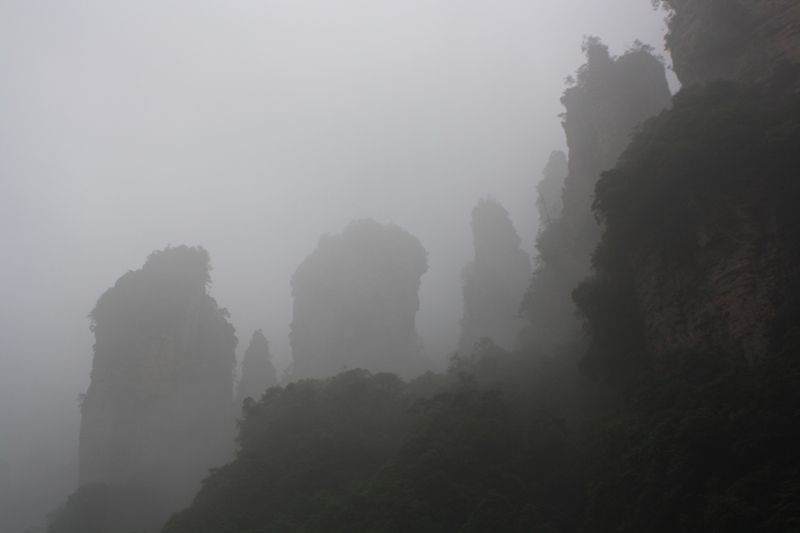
column 252, row 129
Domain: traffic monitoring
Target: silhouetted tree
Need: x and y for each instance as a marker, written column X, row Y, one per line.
column 302, row 448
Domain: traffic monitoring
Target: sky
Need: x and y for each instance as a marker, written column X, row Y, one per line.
column 252, row 128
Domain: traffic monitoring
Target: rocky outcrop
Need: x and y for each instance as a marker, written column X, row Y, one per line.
column 493, row 283
column 258, row 371
column 750, row 41
column 158, row 411
column 355, row 302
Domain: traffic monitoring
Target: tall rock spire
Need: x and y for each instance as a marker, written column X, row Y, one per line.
column 609, row 97
column 157, row 413
column 494, row 282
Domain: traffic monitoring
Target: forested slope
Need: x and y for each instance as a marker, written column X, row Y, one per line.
column 468, row 450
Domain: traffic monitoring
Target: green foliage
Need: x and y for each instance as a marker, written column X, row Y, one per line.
column 610, row 96
column 464, row 451
column 701, row 444
column 300, row 448
column 105, row 508
column 613, row 326
column 705, row 445
column 678, row 174
column 455, row 469
column 701, row 440
column 678, row 169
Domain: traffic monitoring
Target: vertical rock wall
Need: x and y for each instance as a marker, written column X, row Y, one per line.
column 494, row 282
column 749, row 41
column 157, row 413
column 724, row 296
column 355, row 302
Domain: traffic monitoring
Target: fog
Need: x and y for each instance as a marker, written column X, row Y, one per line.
column 252, row 129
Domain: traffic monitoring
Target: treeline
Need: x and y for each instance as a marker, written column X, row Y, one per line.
column 698, row 444
column 468, row 450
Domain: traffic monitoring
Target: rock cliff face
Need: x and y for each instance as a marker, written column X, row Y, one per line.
column 355, row 301
column 157, row 413
column 750, row 41
column 725, row 297
column 610, row 97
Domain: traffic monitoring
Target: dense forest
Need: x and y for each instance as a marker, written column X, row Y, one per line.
column 642, row 375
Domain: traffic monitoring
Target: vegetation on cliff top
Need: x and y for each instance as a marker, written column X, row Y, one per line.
column 462, row 451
